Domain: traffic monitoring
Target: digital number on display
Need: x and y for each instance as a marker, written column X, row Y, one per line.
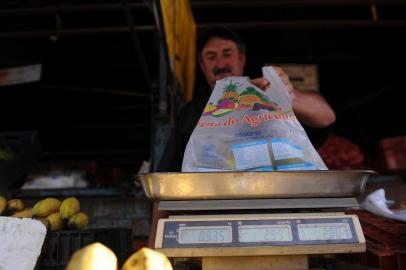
column 201, row 235
column 326, row 231
column 264, row 233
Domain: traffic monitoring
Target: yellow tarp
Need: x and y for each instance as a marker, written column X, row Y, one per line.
column 180, row 32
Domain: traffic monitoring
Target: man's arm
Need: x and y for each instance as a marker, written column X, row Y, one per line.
column 312, row 109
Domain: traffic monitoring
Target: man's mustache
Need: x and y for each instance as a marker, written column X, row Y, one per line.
column 218, row 71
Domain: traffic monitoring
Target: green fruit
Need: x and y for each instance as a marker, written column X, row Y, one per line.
column 3, row 204
column 27, row 213
column 69, row 207
column 46, row 207
column 56, row 222
column 15, row 205
column 78, row 221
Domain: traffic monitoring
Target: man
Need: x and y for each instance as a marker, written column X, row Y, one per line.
column 221, row 53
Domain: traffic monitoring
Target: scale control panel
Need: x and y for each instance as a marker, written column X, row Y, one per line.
column 178, row 233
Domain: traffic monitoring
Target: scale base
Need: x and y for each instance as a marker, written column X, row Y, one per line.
column 283, row 262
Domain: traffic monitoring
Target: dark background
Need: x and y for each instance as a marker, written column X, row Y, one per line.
column 94, row 102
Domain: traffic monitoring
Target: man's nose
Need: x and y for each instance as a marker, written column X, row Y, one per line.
column 221, row 63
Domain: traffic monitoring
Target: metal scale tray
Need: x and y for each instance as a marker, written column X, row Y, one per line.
column 254, row 185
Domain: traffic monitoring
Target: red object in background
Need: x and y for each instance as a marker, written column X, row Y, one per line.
column 385, row 241
column 393, row 153
column 340, row 153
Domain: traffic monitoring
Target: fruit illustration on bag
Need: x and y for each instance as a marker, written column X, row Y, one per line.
column 227, row 104
column 264, row 106
column 232, row 100
column 257, row 100
column 209, row 109
column 230, row 91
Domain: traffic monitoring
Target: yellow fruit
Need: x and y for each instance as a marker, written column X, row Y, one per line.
column 3, row 204
column 56, row 222
column 69, row 207
column 44, row 221
column 78, row 221
column 93, row 257
column 147, row 259
column 27, row 213
column 15, row 205
column 46, row 207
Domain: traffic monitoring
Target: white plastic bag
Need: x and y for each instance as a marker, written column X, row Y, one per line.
column 245, row 128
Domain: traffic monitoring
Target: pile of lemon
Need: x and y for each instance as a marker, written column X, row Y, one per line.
column 56, row 215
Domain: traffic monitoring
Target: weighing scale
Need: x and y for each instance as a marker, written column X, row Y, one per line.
column 254, row 232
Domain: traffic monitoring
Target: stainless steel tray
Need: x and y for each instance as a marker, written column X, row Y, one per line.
column 254, row 185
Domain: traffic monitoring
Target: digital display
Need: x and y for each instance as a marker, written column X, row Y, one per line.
column 207, row 234
column 264, row 233
column 324, row 231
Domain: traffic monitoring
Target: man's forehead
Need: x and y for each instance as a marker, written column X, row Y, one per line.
column 218, row 44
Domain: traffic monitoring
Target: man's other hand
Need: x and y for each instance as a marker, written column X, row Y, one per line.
column 264, row 84
column 261, row 83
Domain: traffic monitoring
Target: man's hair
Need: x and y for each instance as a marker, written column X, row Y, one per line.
column 219, row 32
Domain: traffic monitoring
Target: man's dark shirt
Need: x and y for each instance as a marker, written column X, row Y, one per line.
column 189, row 115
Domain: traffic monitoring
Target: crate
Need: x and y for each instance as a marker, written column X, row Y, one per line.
column 60, row 245
column 392, row 152
column 385, row 240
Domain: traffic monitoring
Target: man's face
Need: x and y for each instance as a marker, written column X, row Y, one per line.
column 221, row 58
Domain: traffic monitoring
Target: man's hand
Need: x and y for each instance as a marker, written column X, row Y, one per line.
column 264, row 84
column 261, row 83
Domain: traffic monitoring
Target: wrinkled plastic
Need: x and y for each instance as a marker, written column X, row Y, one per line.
column 244, row 128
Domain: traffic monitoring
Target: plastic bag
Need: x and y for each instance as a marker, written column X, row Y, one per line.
column 244, row 128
